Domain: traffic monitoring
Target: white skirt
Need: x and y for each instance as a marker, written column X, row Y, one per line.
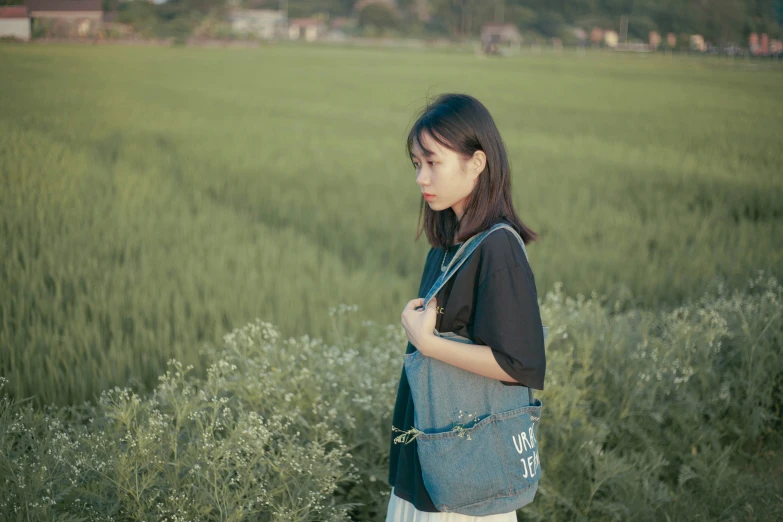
column 400, row 510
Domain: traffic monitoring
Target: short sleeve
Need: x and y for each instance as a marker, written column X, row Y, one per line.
column 508, row 320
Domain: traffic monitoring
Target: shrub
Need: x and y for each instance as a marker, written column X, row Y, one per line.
column 653, row 415
column 647, row 416
column 230, row 447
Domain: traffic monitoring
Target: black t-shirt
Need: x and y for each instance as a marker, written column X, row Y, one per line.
column 491, row 300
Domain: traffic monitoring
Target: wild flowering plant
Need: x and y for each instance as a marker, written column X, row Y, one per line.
column 647, row 415
column 350, row 385
column 222, row 448
column 658, row 412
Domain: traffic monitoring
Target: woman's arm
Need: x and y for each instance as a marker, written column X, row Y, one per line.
column 474, row 358
column 506, row 329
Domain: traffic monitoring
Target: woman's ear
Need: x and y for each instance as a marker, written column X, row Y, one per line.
column 478, row 162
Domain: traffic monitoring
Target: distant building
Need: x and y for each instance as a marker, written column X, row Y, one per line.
column 14, row 22
column 309, row 29
column 71, row 17
column 611, row 38
column 73, row 10
column 262, row 23
column 697, row 43
column 753, row 44
column 495, row 36
column 654, row 39
column 361, row 4
column 596, row 35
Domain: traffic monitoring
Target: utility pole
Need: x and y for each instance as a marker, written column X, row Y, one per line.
column 624, row 29
column 500, row 8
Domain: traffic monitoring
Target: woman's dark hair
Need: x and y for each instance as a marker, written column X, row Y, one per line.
column 461, row 123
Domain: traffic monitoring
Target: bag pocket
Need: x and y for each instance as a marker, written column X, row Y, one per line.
column 494, row 458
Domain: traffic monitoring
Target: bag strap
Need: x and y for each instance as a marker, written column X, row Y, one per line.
column 467, row 248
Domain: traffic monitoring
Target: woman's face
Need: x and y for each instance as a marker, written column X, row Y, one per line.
column 445, row 175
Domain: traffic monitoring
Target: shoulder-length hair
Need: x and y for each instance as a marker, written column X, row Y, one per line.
column 461, row 123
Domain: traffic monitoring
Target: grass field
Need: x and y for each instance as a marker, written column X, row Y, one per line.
column 151, row 199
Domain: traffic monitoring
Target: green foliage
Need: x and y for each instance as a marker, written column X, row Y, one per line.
column 142, row 16
column 522, row 17
column 661, row 410
column 640, row 27
column 378, row 15
column 647, row 416
column 720, row 21
column 173, row 18
column 549, row 23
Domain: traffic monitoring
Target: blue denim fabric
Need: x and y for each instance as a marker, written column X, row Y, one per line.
column 477, row 440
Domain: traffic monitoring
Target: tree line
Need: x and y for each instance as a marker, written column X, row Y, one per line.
column 720, row 21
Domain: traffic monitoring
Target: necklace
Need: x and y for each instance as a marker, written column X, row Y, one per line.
column 445, row 252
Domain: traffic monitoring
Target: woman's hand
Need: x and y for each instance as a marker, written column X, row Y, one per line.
column 419, row 324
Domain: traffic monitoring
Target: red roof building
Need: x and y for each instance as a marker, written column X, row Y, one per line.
column 14, row 22
column 13, row 11
column 64, row 5
column 66, row 9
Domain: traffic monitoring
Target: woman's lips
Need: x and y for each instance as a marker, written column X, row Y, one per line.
column 428, row 196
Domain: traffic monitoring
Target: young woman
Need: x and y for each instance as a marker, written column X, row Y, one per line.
column 464, row 176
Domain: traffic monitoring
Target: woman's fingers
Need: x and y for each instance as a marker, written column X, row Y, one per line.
column 414, row 303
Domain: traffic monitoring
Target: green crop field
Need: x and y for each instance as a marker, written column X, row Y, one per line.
column 155, row 199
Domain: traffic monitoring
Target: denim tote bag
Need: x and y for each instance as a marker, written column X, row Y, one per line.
column 476, row 437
